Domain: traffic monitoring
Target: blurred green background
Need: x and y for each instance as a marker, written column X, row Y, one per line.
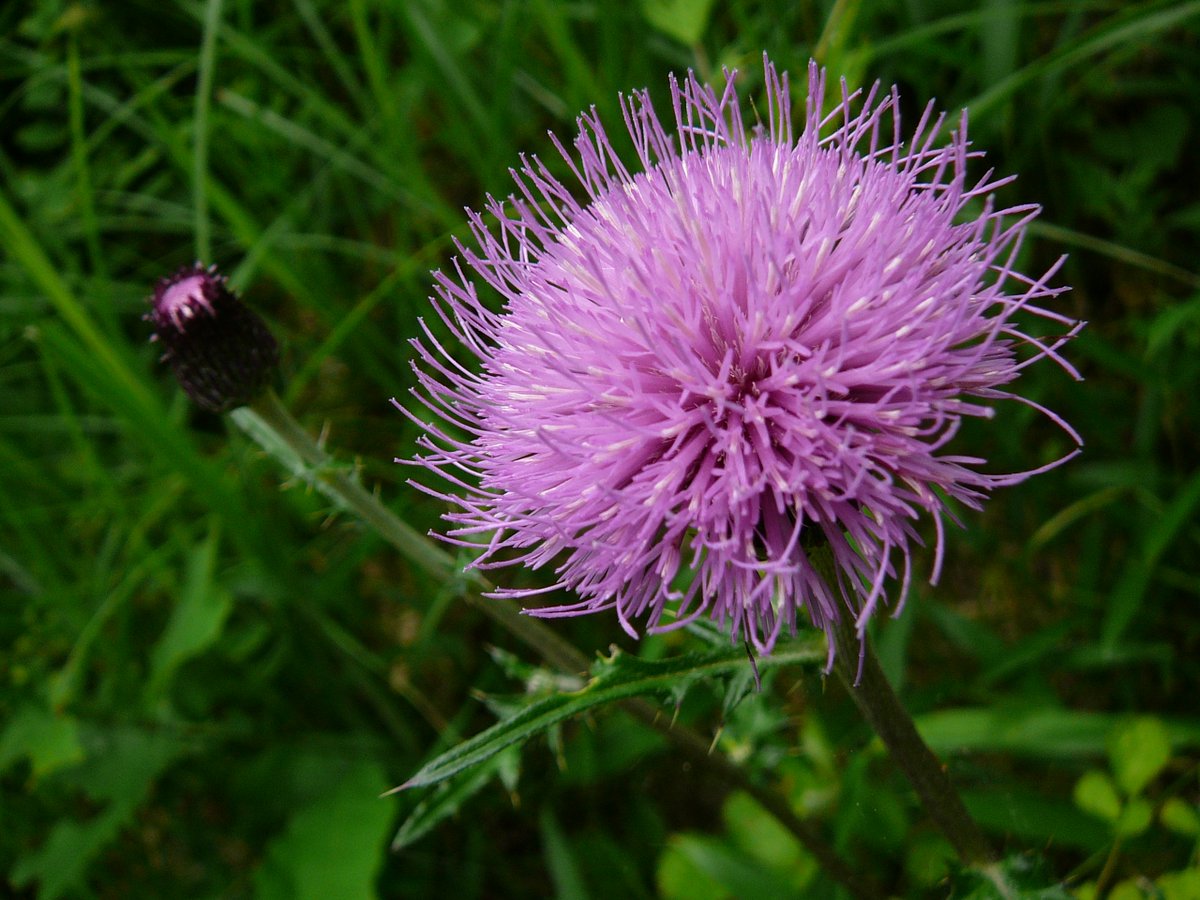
column 208, row 676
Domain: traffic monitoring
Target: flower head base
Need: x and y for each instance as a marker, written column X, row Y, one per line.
column 220, row 351
column 722, row 385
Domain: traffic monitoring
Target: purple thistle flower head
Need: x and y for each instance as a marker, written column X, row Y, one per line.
column 722, row 384
column 221, row 352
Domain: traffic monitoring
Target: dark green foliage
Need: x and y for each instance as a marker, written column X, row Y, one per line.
column 207, row 681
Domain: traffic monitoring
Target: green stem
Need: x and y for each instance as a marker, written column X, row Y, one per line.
column 271, row 426
column 886, row 715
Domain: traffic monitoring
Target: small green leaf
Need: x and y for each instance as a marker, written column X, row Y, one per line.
column 678, row 876
column 696, row 865
column 1126, row 890
column 508, row 768
column 619, row 677
column 121, row 766
column 1095, row 793
column 684, row 20
column 1181, row 817
column 124, row 761
column 1183, row 885
column 928, row 860
column 59, row 865
column 197, row 620
column 1135, row 818
column 1138, row 752
column 49, row 741
column 334, row 847
column 759, row 835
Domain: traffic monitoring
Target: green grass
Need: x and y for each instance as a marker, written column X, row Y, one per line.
column 208, row 675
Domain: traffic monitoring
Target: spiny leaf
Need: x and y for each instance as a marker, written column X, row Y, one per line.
column 618, row 677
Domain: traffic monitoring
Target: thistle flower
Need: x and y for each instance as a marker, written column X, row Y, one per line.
column 221, row 352
column 722, row 384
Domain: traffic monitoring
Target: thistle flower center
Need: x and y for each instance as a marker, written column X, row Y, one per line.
column 180, row 301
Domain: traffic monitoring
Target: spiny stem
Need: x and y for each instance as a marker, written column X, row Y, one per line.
column 270, row 425
column 273, row 427
column 864, row 679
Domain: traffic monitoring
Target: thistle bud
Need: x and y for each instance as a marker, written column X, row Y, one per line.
column 220, row 351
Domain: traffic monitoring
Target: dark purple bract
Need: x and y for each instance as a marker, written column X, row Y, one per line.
column 221, row 352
